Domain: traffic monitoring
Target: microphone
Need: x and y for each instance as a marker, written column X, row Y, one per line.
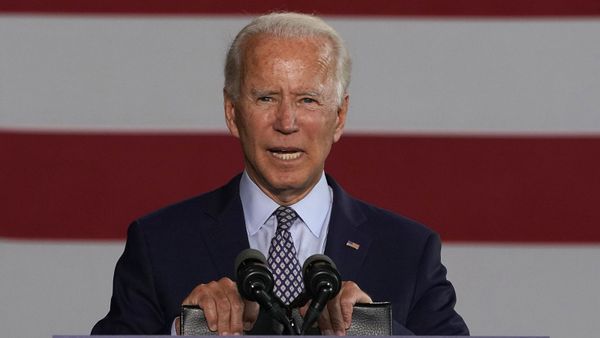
column 322, row 282
column 255, row 283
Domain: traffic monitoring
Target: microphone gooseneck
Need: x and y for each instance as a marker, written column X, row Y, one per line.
column 322, row 282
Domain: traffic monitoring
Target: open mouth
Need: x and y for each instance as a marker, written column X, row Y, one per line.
column 286, row 154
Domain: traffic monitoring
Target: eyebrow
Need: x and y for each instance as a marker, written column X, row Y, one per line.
column 261, row 92
column 267, row 92
column 309, row 93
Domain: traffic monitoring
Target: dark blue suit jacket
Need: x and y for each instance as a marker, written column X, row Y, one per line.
column 171, row 251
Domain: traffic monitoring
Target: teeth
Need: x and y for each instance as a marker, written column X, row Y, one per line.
column 287, row 156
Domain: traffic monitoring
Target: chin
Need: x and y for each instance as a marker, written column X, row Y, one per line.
column 288, row 181
column 285, row 184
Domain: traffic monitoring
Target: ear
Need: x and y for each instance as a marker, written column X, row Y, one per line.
column 341, row 118
column 230, row 114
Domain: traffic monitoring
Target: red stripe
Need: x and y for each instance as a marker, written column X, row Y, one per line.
column 91, row 186
column 348, row 7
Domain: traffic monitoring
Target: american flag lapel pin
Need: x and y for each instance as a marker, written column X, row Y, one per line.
column 353, row 245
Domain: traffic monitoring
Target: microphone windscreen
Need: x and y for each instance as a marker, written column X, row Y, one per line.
column 249, row 255
column 309, row 262
column 318, row 272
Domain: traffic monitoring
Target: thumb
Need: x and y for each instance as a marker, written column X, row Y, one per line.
column 304, row 308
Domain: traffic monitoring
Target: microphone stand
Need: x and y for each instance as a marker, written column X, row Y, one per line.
column 274, row 309
column 315, row 308
column 291, row 329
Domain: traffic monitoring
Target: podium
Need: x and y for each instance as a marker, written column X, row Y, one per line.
column 163, row 336
column 373, row 319
column 368, row 321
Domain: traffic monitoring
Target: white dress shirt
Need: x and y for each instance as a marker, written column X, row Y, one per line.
column 309, row 231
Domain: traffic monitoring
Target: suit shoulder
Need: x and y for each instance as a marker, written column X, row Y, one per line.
column 388, row 223
column 373, row 219
column 206, row 206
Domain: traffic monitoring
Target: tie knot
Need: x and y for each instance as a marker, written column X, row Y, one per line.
column 285, row 217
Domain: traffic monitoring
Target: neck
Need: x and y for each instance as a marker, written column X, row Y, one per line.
column 283, row 196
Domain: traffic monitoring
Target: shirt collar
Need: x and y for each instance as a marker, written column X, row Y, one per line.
column 258, row 207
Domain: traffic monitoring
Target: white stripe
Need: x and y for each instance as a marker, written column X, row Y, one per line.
column 534, row 290
column 502, row 289
column 164, row 73
column 54, row 287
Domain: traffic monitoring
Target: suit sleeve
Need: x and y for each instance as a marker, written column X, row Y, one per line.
column 432, row 309
column 134, row 308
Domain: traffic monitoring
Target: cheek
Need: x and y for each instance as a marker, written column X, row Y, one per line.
column 251, row 136
column 322, row 141
column 256, row 120
column 244, row 124
column 327, row 126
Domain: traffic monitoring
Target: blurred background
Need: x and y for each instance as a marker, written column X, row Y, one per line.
column 480, row 119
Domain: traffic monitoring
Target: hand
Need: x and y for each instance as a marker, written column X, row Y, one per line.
column 337, row 314
column 224, row 309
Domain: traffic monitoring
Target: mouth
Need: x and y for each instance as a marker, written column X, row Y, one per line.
column 285, row 154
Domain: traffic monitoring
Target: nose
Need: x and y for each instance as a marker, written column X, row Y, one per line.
column 285, row 119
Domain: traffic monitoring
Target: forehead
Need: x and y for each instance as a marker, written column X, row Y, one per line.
column 265, row 53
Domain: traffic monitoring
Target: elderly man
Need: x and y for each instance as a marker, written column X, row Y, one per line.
column 286, row 100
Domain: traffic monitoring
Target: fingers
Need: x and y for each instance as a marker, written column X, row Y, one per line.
column 336, row 325
column 210, row 313
column 303, row 309
column 349, row 296
column 331, row 322
column 223, row 307
column 336, row 318
column 325, row 322
column 236, row 308
column 251, row 310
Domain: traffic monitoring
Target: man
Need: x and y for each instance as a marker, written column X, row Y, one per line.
column 286, row 100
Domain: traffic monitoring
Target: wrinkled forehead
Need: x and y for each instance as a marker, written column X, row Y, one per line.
column 264, row 52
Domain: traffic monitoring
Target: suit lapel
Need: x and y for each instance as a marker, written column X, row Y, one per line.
column 227, row 237
column 347, row 244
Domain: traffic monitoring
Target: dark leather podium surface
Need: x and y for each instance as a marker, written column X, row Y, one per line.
column 367, row 320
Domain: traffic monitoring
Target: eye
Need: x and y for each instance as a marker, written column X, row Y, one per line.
column 308, row 100
column 265, row 99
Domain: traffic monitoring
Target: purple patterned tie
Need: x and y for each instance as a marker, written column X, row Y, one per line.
column 282, row 258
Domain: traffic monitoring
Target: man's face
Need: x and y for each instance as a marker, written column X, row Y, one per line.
column 288, row 114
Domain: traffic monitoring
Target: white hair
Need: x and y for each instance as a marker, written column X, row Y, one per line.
column 287, row 25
